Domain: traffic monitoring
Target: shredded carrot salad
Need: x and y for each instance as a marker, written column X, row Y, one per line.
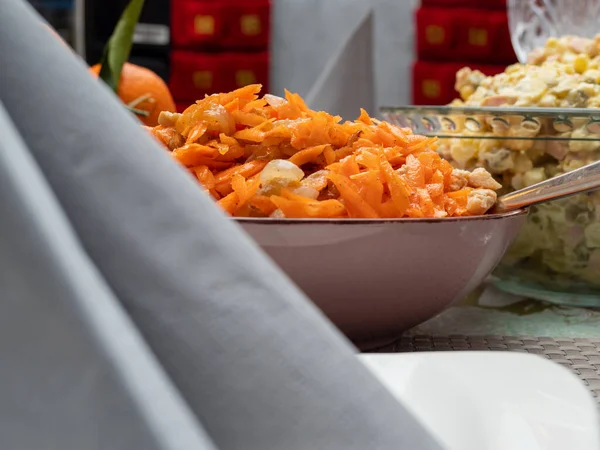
column 275, row 157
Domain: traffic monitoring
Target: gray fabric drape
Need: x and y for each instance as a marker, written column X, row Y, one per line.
column 74, row 371
column 198, row 305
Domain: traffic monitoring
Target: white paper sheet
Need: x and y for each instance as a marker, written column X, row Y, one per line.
column 309, row 34
column 347, row 82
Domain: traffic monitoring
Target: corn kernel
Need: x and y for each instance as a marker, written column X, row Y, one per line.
column 581, row 63
column 592, row 75
column 517, row 181
column 592, row 235
column 466, row 92
column 589, row 89
column 548, row 101
column 552, row 43
column 572, row 164
column 519, row 145
column 578, row 146
column 569, row 57
column 522, row 163
column 463, row 153
column 513, row 68
column 534, row 176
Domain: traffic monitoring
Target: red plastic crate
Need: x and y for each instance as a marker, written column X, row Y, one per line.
column 232, row 24
column 485, row 36
column 435, row 33
column 504, row 46
column 445, row 34
column 483, row 4
column 195, row 74
column 181, row 106
column 248, row 24
column 242, row 69
column 477, row 35
column 196, row 23
column 433, row 83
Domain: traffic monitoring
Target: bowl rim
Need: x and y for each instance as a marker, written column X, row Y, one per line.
column 268, row 220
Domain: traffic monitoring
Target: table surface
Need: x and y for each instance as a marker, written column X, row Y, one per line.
column 579, row 355
column 491, row 320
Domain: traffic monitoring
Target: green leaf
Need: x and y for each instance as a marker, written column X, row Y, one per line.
column 117, row 49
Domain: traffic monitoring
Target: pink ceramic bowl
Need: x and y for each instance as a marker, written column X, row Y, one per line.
column 377, row 278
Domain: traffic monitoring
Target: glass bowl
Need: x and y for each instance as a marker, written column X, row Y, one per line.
column 532, row 22
column 556, row 256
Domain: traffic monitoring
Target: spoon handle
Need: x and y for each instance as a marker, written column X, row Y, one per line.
column 575, row 182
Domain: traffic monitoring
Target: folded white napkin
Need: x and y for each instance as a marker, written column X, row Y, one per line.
column 348, row 83
column 313, row 38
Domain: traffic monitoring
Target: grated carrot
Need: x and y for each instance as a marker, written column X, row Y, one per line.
column 233, row 143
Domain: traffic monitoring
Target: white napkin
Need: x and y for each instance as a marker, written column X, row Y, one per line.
column 309, row 38
column 347, row 83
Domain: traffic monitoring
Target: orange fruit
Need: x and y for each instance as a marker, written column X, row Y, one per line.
column 138, row 83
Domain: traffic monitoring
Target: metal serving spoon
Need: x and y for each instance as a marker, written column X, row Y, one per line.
column 577, row 181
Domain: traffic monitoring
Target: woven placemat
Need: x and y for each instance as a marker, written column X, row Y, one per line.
column 581, row 356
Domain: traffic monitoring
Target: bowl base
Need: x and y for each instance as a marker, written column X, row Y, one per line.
column 376, row 344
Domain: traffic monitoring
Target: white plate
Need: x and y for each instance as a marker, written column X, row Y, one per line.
column 492, row 400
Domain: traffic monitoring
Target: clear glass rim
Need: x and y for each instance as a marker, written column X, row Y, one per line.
column 428, row 120
column 592, row 113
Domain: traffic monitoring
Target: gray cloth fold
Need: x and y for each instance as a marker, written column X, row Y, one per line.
column 258, row 366
column 74, row 371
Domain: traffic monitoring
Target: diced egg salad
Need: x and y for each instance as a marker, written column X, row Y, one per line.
column 561, row 240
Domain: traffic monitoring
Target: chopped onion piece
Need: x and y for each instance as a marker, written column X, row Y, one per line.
column 281, row 168
column 168, row 118
column 306, row 191
column 218, row 119
column 277, row 214
column 274, row 100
